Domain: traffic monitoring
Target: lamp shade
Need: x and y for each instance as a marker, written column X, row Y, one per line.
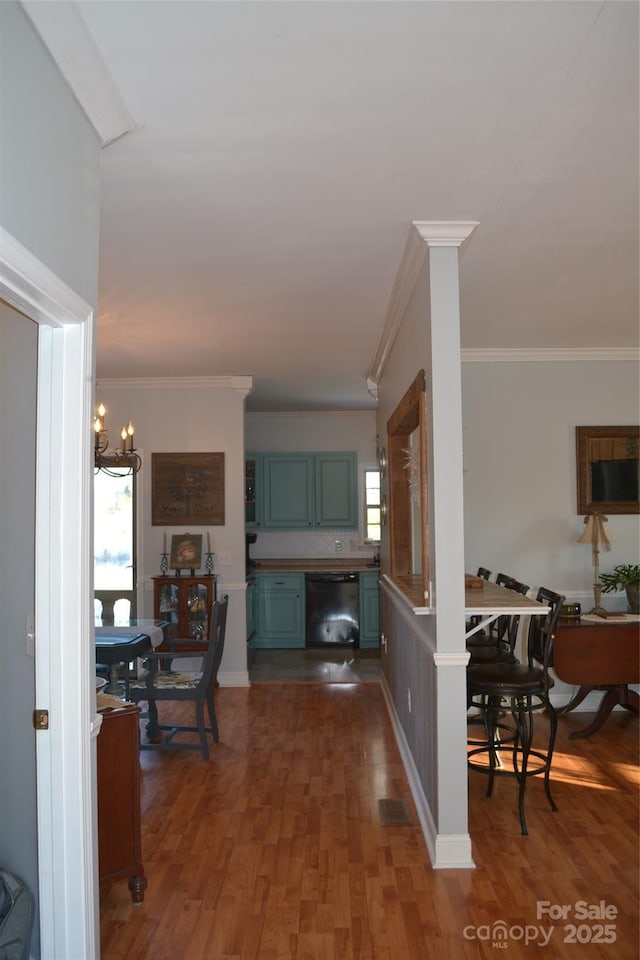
column 595, row 531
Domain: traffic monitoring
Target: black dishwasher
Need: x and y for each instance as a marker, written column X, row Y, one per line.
column 332, row 615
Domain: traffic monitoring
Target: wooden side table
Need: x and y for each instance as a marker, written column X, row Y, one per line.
column 119, row 835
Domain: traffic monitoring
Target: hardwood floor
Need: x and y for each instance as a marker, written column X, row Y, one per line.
column 275, row 850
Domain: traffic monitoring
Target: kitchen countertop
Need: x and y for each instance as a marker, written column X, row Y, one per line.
column 311, row 565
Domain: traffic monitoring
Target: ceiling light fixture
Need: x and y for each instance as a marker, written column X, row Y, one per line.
column 120, row 461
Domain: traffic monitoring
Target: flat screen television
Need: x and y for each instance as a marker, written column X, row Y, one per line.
column 614, row 481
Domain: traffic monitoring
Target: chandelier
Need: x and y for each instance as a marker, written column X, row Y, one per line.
column 120, row 461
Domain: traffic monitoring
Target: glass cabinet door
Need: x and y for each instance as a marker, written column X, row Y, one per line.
column 197, row 599
column 169, row 607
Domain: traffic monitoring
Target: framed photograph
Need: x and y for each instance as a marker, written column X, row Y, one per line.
column 186, row 551
column 187, row 488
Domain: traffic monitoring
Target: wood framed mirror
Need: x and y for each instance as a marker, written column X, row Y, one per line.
column 408, row 509
column 607, row 469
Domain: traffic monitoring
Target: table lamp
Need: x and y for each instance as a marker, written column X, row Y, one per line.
column 596, row 534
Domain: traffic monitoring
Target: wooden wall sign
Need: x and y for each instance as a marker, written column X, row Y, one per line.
column 187, row 487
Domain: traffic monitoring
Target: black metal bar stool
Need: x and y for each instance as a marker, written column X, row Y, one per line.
column 521, row 690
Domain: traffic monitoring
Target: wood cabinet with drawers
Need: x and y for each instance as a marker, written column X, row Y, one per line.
column 119, row 834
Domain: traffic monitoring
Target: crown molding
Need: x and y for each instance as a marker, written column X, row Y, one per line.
column 67, row 38
column 241, row 384
column 306, row 414
column 411, row 262
column 547, row 354
column 372, row 388
column 423, row 234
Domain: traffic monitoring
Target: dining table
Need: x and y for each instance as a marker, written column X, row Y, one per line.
column 125, row 643
column 599, row 654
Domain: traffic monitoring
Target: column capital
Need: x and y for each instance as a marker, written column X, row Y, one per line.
column 445, row 233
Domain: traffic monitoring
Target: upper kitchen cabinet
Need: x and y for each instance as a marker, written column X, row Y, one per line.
column 288, row 487
column 299, row 491
column 336, row 490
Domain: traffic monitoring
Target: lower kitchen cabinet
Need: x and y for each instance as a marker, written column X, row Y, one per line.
column 279, row 611
column 369, row 611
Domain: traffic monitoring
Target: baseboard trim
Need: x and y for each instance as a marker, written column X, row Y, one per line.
column 446, row 851
column 231, row 678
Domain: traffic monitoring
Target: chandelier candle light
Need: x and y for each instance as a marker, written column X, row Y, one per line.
column 120, row 461
column 596, row 534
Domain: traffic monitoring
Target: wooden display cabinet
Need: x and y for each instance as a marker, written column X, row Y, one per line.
column 184, row 602
column 119, row 834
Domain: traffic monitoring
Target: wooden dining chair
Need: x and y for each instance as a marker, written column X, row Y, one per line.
column 198, row 686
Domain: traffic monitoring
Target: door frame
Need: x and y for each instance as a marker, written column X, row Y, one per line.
column 65, row 654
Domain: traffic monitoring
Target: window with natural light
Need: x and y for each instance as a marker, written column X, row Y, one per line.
column 372, row 505
column 113, row 532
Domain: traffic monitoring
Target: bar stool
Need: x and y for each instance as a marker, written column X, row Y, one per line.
column 521, row 690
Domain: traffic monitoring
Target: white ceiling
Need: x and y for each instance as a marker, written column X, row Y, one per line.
column 254, row 219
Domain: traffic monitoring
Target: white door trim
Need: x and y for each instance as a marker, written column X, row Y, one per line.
column 65, row 658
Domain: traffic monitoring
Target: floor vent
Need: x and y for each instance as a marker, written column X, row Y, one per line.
column 394, row 813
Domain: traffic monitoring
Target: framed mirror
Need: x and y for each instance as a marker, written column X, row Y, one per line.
column 607, row 461
column 407, row 466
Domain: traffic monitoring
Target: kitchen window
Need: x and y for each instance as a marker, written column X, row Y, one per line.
column 372, row 518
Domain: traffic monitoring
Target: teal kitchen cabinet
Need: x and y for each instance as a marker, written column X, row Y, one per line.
column 280, row 611
column 336, row 494
column 288, row 491
column 251, row 608
column 302, row 491
column 369, row 611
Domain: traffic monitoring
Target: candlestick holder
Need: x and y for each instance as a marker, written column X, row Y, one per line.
column 208, row 564
column 164, row 564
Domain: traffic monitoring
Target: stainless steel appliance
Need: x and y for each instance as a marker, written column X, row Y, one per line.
column 332, row 610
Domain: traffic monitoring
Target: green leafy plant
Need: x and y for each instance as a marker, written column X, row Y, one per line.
column 623, row 575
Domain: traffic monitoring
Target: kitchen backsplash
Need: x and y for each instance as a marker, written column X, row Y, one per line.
column 316, row 544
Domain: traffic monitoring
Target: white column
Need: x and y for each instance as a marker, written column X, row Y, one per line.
column 444, row 241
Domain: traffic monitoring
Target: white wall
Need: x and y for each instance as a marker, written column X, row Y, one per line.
column 181, row 417
column 519, row 423
column 314, row 433
column 18, row 363
column 50, row 170
column 520, row 497
column 49, row 202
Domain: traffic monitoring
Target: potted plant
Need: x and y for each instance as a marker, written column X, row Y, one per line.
column 625, row 576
